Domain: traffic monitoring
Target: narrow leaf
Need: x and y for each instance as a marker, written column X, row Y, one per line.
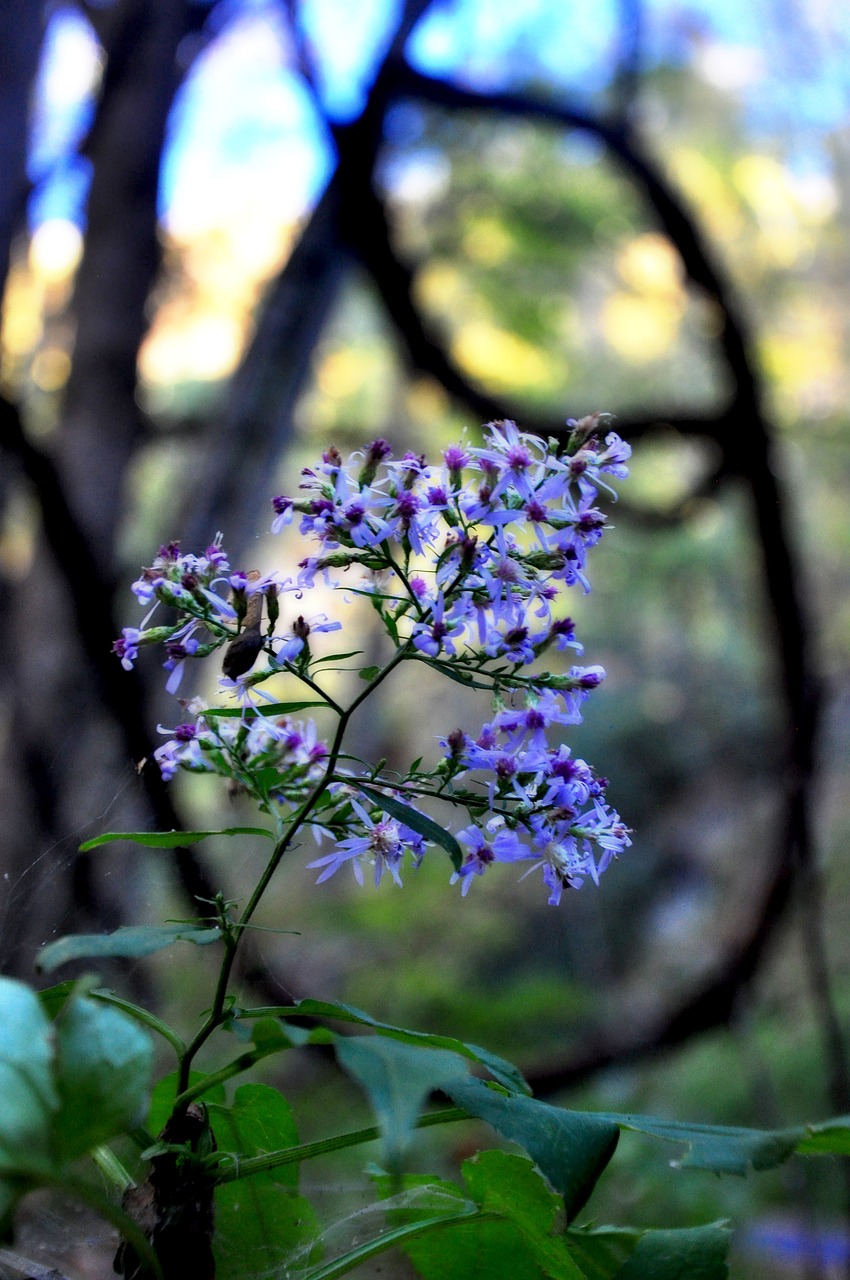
column 129, row 942
column 720, row 1148
column 336, row 657
column 460, row 677
column 269, row 709
column 171, row 839
column 417, row 821
column 502, row 1071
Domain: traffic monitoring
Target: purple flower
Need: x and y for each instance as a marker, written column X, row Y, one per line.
column 530, row 724
column 126, row 647
column 504, row 846
column 381, row 845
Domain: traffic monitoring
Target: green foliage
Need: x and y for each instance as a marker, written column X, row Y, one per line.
column 129, row 942
column 64, row 1087
column 260, row 1219
column 398, row 1078
column 571, row 1149
column 170, row 839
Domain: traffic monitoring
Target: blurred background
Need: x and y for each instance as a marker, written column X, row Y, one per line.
column 234, row 232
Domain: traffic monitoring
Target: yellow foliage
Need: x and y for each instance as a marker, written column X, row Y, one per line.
column 486, row 241
column 650, row 264
column 706, row 186
column 641, row 329
column 22, row 321
column 437, row 286
column 496, row 356
column 342, row 373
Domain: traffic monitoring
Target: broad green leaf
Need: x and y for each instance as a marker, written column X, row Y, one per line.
column 171, row 839
column 28, row 1099
column 510, row 1186
column 601, row 1252
column 419, row 822
column 103, row 1075
column 501, row 1070
column 141, row 940
column 269, row 709
column 571, row 1148
column 398, row 1078
column 417, row 1194
column 260, row 1220
column 491, row 1250
column 692, row 1253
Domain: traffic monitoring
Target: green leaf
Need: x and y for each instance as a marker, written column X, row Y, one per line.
column 28, row 1099
column 398, row 1078
column 171, row 839
column 461, row 677
column 269, row 709
column 510, row 1186
column 53, row 998
column 103, row 1075
column 829, row 1137
column 474, row 1248
column 602, row 1251
column 692, row 1253
column 572, row 1148
column 501, row 1070
column 720, row 1148
column 368, row 673
column 417, row 821
column 335, row 657
column 260, row 1220
column 142, row 940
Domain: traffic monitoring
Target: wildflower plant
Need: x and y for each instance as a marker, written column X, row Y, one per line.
column 468, row 564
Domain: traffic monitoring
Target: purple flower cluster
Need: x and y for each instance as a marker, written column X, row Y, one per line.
column 479, row 548
column 555, row 803
column 238, row 749
column 467, row 564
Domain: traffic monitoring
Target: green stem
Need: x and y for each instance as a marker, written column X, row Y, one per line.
column 215, row 1016
column 324, row 1146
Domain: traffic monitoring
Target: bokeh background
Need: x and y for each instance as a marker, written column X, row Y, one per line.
column 235, row 232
